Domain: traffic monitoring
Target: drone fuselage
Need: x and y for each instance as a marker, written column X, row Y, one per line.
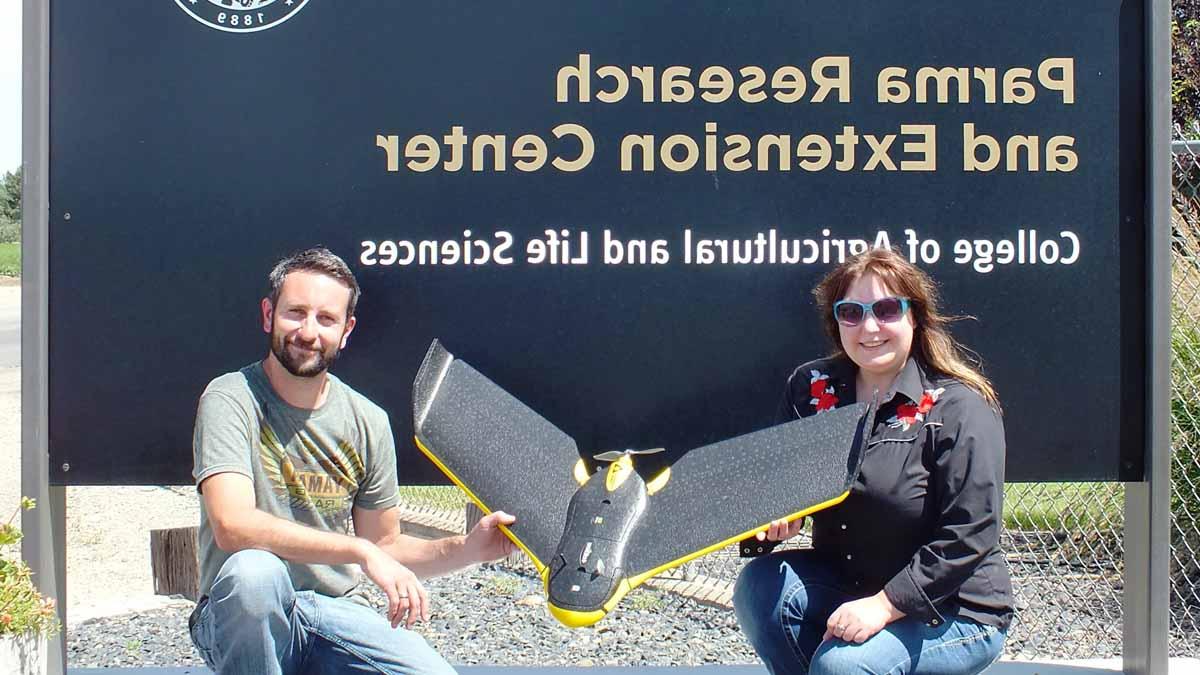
column 588, row 567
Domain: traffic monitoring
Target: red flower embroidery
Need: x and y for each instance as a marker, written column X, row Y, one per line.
column 928, row 400
column 826, row 401
column 821, row 392
column 908, row 414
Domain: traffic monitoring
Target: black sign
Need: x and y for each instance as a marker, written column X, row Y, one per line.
column 614, row 210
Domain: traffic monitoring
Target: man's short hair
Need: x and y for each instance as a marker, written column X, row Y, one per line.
column 319, row 260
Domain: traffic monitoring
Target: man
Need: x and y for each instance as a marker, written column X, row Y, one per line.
column 286, row 457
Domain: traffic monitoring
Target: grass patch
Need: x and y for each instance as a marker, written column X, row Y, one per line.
column 1063, row 506
column 10, row 259
column 643, row 599
column 445, row 497
column 503, row 585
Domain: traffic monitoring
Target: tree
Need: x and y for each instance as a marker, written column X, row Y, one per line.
column 10, row 207
column 10, row 196
column 1185, row 62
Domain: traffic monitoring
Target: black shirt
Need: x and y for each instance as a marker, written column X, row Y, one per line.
column 923, row 519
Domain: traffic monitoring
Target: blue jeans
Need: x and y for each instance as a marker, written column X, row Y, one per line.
column 254, row 622
column 783, row 601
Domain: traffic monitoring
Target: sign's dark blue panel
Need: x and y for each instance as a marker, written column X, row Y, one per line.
column 188, row 153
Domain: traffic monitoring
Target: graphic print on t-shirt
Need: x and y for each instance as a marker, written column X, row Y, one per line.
column 316, row 480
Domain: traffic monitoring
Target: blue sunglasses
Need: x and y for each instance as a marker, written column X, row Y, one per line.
column 885, row 310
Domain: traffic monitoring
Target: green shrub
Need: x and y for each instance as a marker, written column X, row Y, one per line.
column 10, row 231
column 22, row 608
column 1185, row 61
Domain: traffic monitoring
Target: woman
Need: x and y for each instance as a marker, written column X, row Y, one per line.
column 906, row 575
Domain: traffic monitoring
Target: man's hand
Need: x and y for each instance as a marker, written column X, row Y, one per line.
column 486, row 541
column 407, row 599
column 858, row 620
column 781, row 529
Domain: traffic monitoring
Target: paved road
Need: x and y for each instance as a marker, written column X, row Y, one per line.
column 10, row 326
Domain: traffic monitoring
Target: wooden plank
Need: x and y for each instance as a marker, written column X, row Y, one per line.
column 174, row 562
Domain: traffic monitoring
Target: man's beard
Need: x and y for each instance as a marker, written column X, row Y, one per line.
column 297, row 367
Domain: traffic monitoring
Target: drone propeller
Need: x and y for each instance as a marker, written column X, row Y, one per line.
column 614, row 455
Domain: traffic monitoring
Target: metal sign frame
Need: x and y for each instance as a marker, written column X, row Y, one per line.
column 1147, row 503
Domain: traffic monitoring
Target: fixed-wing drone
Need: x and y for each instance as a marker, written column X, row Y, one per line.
column 595, row 534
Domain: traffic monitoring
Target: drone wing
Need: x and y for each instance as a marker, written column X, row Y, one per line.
column 721, row 493
column 595, row 537
column 501, row 453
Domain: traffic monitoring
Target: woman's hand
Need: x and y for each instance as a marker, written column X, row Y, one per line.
column 781, row 529
column 858, row 620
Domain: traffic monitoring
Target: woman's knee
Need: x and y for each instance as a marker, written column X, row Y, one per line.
column 757, row 591
column 835, row 657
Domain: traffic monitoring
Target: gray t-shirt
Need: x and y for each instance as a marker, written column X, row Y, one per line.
column 308, row 466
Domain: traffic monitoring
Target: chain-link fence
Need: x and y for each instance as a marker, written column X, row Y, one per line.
column 1185, row 394
column 1064, row 540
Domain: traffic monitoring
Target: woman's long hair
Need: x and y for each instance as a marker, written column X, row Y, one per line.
column 933, row 346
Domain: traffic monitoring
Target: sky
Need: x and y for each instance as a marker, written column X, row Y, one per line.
column 10, row 85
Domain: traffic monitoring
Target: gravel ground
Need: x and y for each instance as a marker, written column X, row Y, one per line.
column 487, row 615
column 494, row 615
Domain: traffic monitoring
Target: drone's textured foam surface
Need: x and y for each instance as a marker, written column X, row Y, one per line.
column 722, row 490
column 511, row 458
column 514, row 460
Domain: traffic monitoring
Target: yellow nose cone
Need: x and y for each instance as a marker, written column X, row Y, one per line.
column 573, row 619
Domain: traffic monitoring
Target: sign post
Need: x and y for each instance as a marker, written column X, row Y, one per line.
column 44, row 543
column 1147, row 596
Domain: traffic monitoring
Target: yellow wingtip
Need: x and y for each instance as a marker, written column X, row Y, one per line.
column 637, row 580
